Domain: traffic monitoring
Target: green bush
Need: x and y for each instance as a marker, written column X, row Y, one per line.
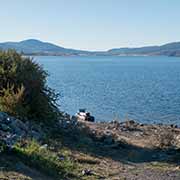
column 45, row 160
column 23, row 89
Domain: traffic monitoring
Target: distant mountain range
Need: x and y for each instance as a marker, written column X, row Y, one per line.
column 36, row 47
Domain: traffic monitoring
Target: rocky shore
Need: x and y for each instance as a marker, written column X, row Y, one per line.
column 110, row 133
column 131, row 132
column 142, row 135
column 108, row 150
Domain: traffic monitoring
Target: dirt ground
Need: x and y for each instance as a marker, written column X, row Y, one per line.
column 111, row 151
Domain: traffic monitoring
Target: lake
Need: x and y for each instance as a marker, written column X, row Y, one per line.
column 146, row 89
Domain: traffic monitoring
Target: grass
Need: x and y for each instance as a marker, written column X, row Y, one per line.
column 58, row 163
column 13, row 176
column 55, row 164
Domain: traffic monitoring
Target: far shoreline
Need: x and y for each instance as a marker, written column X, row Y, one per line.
column 135, row 55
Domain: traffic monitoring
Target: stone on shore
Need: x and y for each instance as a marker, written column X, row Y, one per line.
column 12, row 130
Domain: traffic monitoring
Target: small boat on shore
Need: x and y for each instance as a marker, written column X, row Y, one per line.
column 83, row 115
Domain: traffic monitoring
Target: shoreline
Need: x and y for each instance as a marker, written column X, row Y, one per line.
column 145, row 135
column 79, row 55
column 130, row 131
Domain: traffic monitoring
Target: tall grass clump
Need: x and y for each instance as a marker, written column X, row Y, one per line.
column 23, row 89
column 43, row 159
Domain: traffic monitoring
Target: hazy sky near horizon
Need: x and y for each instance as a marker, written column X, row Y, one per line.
column 91, row 24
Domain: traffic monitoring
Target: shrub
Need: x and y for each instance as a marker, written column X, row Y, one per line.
column 23, row 89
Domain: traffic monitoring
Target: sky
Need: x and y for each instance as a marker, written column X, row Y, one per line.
column 91, row 24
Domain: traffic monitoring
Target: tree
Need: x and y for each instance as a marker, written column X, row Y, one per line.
column 23, row 88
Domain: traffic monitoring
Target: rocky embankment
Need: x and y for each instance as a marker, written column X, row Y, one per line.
column 12, row 130
column 110, row 133
column 131, row 132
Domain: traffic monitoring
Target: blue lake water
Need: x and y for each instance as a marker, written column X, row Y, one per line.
column 146, row 89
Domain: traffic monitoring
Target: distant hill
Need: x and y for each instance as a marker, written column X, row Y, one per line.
column 171, row 49
column 36, row 47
